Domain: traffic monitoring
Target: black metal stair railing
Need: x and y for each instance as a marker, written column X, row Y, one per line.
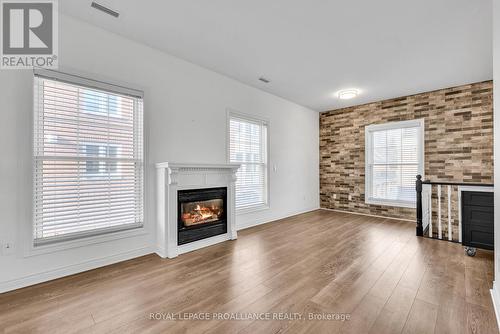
column 425, row 215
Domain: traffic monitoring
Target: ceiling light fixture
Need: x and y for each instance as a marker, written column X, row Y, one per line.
column 104, row 9
column 264, row 80
column 347, row 94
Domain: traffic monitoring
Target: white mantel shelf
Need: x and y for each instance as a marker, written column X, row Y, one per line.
column 172, row 177
column 191, row 165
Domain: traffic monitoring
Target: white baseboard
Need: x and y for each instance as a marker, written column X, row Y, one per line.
column 495, row 297
column 369, row 215
column 72, row 269
column 270, row 220
column 161, row 251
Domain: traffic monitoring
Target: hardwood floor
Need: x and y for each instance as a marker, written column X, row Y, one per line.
column 321, row 263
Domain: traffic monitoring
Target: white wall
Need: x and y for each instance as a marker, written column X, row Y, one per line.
column 496, row 138
column 185, row 112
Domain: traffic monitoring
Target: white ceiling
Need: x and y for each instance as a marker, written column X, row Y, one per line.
column 310, row 49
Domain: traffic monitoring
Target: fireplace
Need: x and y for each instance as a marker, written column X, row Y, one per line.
column 195, row 206
column 202, row 213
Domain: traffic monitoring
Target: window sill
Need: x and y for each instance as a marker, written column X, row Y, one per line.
column 391, row 203
column 32, row 250
column 252, row 209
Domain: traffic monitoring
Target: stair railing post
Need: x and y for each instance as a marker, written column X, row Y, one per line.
column 418, row 188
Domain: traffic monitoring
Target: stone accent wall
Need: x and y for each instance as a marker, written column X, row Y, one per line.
column 458, row 143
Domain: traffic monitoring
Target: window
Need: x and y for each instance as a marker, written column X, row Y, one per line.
column 95, row 168
column 394, row 157
column 248, row 147
column 100, row 103
column 88, row 158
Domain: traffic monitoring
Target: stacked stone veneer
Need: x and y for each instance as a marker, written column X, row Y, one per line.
column 458, row 143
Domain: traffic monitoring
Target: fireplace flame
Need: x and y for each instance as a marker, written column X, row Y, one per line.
column 201, row 214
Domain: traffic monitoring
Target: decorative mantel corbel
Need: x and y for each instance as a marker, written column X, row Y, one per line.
column 173, row 175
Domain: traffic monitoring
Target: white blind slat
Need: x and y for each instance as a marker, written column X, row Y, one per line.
column 248, row 147
column 88, row 161
column 394, row 163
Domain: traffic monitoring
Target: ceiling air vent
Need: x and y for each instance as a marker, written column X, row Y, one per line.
column 104, row 9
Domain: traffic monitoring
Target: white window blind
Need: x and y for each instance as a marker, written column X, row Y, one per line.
column 394, row 157
column 248, row 147
column 88, row 159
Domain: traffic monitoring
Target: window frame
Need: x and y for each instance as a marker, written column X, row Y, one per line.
column 233, row 114
column 31, row 248
column 369, row 129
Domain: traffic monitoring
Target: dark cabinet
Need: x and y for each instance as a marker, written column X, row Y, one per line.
column 477, row 219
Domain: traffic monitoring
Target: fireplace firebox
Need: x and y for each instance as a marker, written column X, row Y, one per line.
column 202, row 213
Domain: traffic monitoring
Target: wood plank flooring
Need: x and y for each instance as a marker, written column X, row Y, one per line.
column 322, row 263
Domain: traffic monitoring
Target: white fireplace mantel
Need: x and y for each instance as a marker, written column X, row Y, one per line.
column 172, row 177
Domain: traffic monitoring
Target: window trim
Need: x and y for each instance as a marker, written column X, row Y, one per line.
column 369, row 129
column 29, row 247
column 89, row 83
column 231, row 113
